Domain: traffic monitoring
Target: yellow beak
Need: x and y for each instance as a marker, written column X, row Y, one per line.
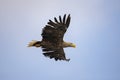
column 73, row 45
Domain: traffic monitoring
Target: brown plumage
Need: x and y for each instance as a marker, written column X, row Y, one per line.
column 52, row 43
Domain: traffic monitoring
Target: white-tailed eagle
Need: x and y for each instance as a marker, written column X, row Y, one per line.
column 52, row 42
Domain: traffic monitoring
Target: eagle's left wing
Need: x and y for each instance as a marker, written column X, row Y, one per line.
column 53, row 32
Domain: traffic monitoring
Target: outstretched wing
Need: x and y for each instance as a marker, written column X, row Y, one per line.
column 53, row 32
column 57, row 54
column 52, row 40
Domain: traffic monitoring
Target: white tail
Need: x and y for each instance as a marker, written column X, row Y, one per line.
column 32, row 43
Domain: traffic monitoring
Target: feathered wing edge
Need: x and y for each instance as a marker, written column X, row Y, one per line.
column 57, row 54
column 64, row 22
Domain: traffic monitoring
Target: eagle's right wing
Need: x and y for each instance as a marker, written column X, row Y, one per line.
column 57, row 54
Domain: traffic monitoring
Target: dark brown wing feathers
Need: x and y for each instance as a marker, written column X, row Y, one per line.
column 54, row 31
column 57, row 54
column 53, row 34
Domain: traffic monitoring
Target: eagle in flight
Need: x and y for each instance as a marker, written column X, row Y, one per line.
column 52, row 42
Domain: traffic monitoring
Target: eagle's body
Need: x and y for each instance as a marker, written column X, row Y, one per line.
column 52, row 38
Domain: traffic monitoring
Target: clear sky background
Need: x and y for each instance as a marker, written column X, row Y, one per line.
column 94, row 28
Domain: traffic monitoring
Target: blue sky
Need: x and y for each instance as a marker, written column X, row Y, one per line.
column 94, row 28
